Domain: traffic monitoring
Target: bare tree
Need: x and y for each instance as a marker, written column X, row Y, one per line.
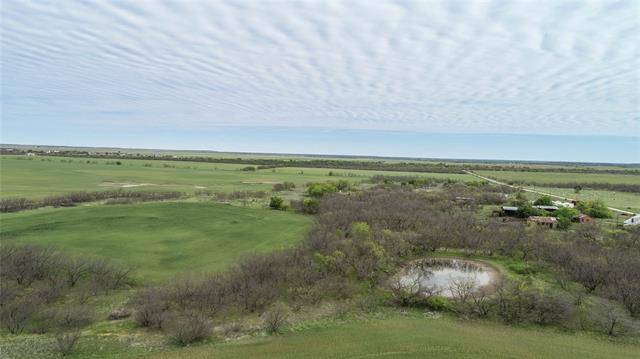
column 27, row 264
column 462, row 288
column 275, row 318
column 188, row 328
column 481, row 303
column 65, row 341
column 74, row 269
column 15, row 314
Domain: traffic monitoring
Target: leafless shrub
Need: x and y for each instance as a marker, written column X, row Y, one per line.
column 73, row 316
column 107, row 276
column 518, row 302
column 113, row 201
column 232, row 328
column 607, row 318
column 409, row 290
column 16, row 204
column 622, row 280
column 8, row 292
column 71, row 199
column 15, row 314
column 481, row 304
column 275, row 318
column 50, row 290
column 552, row 308
column 367, row 303
column 65, row 342
column 462, row 289
column 151, row 308
column 42, row 321
column 341, row 309
column 74, row 269
column 235, row 195
column 188, row 328
column 511, row 304
column 26, row 264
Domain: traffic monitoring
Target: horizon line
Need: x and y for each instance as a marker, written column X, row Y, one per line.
column 351, row 156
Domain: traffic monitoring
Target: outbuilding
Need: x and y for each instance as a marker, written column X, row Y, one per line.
column 547, row 208
column 509, row 211
column 550, row 222
column 563, row 204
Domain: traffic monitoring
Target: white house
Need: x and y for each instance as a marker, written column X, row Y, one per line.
column 633, row 221
column 563, row 204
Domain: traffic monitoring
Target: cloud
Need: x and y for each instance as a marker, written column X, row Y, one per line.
column 549, row 67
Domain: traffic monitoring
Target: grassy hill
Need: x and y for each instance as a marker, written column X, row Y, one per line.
column 158, row 239
column 415, row 336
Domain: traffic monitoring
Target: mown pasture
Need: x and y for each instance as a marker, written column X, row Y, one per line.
column 161, row 239
column 622, row 200
column 415, row 336
column 42, row 176
column 560, row 177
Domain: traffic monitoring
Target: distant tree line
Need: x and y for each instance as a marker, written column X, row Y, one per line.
column 268, row 163
column 71, row 199
column 410, row 180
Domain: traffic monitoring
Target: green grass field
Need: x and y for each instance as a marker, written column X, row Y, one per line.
column 159, row 239
column 623, row 200
column 558, row 177
column 41, row 176
column 415, row 337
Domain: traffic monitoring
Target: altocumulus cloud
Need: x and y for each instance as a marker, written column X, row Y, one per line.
column 521, row 67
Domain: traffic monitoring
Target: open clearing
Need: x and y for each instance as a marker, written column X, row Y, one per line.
column 43, row 176
column 559, row 177
column 415, row 337
column 623, row 200
column 159, row 239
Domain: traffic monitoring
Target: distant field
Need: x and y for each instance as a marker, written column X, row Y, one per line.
column 158, row 239
column 42, row 176
column 246, row 155
column 415, row 337
column 556, row 177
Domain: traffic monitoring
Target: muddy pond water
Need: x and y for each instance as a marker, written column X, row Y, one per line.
column 443, row 276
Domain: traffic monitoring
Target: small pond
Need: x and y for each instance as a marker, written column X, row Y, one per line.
column 444, row 276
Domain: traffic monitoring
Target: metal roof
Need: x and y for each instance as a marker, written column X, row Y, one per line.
column 546, row 207
column 540, row 219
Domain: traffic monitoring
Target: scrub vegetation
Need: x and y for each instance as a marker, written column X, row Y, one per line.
column 297, row 261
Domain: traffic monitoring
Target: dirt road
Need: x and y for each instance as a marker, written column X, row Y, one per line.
column 538, row 192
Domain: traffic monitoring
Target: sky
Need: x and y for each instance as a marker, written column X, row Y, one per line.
column 529, row 80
